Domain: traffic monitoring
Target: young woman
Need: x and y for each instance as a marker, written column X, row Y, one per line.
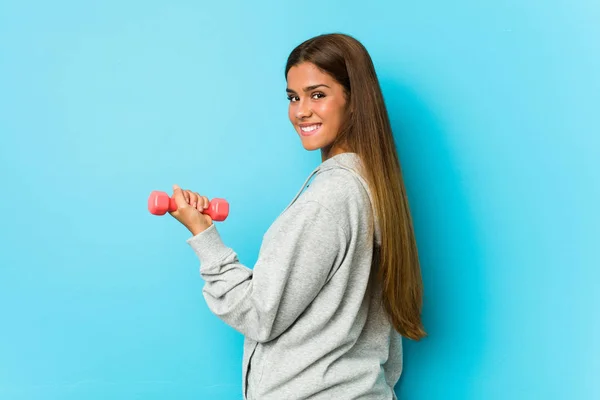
column 337, row 282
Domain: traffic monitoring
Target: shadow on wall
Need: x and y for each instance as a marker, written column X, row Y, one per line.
column 445, row 364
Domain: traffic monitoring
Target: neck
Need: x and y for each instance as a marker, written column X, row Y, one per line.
column 327, row 153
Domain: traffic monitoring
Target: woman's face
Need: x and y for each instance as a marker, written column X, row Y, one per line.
column 317, row 105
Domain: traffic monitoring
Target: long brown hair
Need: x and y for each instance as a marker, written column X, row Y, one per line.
column 367, row 131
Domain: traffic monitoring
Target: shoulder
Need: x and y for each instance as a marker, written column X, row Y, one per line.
column 338, row 190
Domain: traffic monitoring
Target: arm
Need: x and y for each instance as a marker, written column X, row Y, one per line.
column 296, row 256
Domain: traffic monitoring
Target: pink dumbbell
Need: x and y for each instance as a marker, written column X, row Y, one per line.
column 160, row 202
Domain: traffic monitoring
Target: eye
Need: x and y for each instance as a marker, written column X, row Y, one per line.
column 292, row 98
column 320, row 94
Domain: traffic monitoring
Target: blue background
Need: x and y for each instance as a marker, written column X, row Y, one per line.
column 495, row 107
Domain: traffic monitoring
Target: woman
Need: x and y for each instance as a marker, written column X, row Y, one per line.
column 337, row 280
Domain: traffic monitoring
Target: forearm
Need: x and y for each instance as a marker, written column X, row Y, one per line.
column 228, row 288
column 297, row 254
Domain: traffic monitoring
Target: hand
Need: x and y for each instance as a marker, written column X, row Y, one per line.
column 189, row 210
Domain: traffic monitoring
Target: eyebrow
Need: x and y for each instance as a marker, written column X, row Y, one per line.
column 308, row 88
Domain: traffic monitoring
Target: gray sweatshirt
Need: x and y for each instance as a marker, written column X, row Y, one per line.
column 310, row 309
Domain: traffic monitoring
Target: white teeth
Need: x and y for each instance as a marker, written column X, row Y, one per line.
column 310, row 128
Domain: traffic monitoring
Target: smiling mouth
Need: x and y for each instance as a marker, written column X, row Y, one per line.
column 309, row 130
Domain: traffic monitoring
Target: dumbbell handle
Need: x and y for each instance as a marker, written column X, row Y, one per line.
column 160, row 202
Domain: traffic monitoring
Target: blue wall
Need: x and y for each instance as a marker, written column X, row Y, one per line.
column 495, row 108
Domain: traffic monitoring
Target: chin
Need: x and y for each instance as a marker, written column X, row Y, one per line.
column 310, row 147
column 310, row 144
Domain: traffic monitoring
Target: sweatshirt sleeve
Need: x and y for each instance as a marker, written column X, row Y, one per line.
column 296, row 256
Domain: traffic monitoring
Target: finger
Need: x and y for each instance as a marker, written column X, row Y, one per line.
column 206, row 202
column 200, row 202
column 180, row 196
column 193, row 198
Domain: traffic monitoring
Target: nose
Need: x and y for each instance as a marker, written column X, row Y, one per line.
column 303, row 110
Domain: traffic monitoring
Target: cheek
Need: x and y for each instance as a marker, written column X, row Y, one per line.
column 324, row 111
column 330, row 112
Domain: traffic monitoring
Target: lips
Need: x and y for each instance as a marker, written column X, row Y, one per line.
column 310, row 129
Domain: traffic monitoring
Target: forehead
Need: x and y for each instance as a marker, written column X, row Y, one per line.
column 307, row 74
